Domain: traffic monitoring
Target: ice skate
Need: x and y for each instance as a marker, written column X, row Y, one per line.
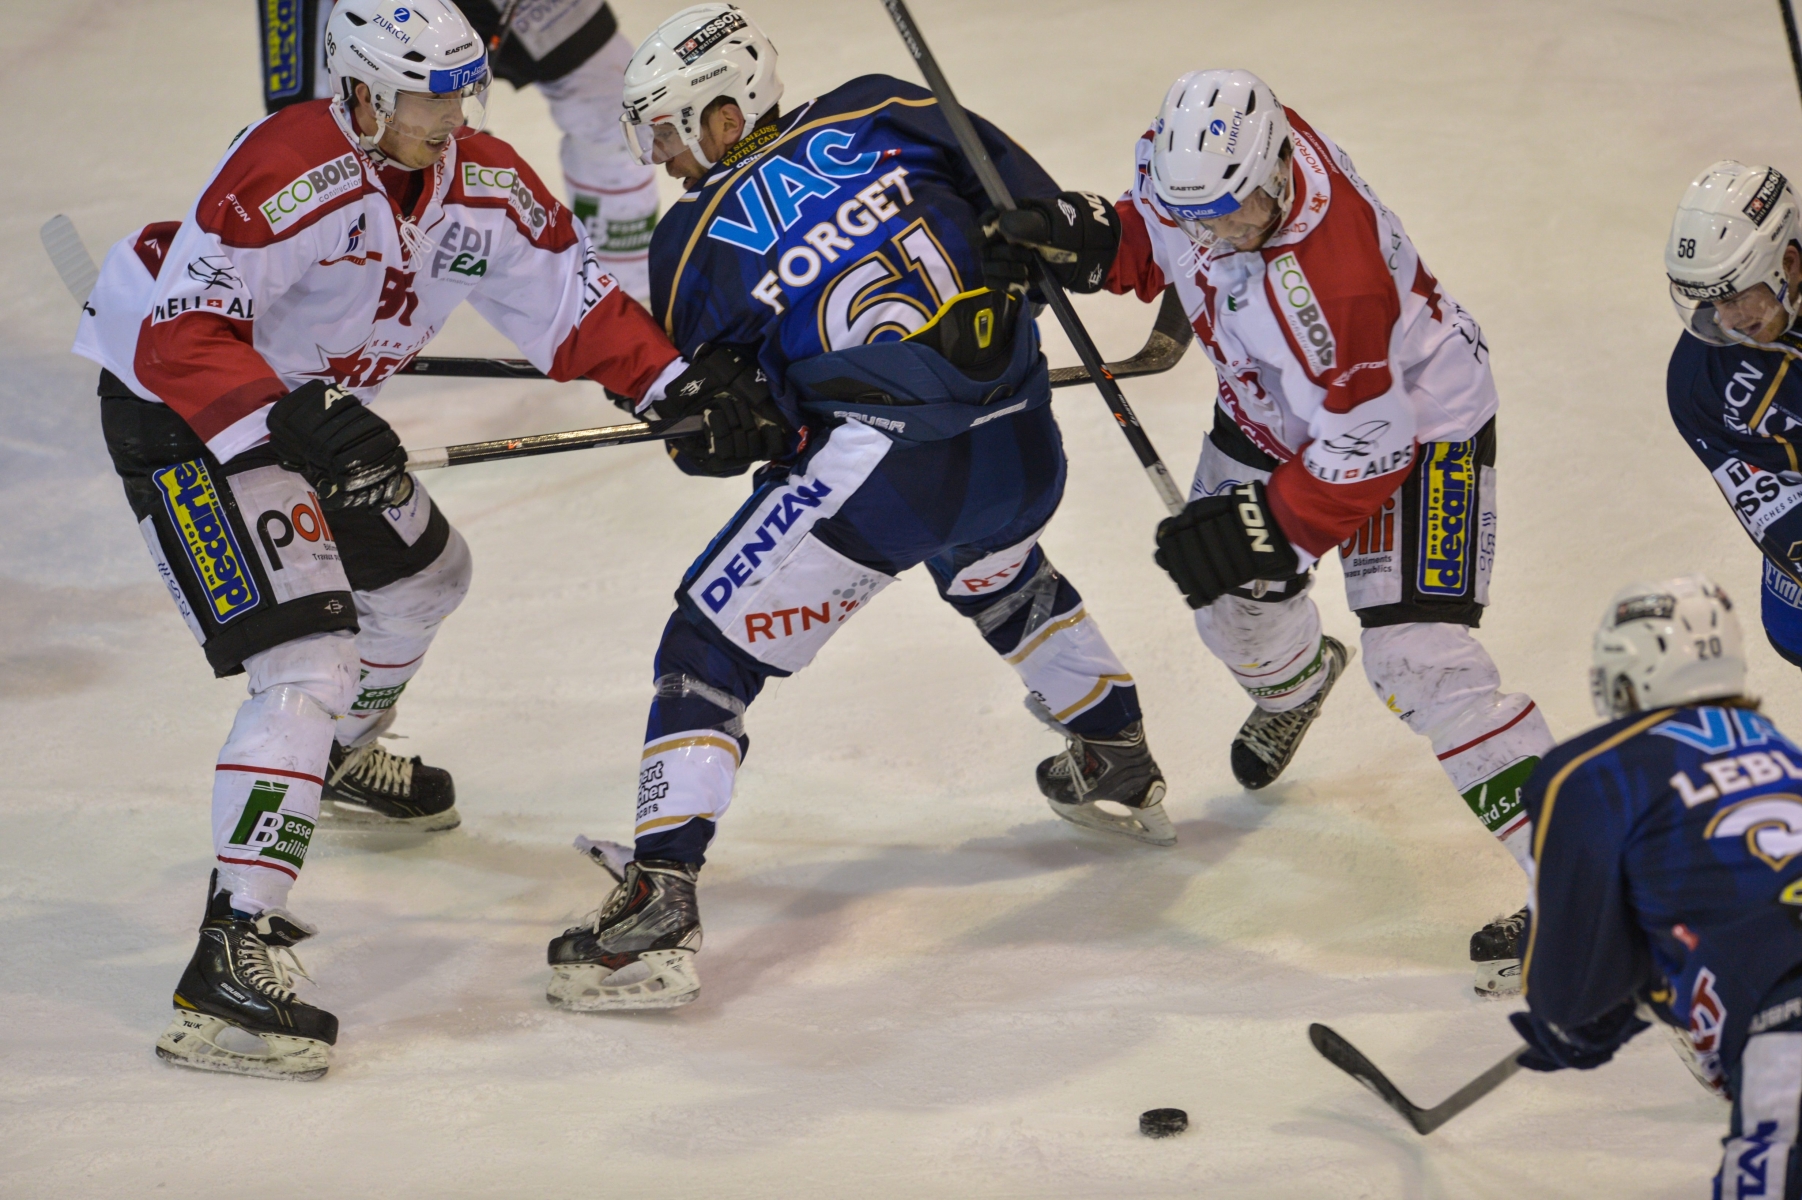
column 1268, row 740
column 637, row 950
column 372, row 789
column 1117, row 770
column 1495, row 952
column 235, row 1009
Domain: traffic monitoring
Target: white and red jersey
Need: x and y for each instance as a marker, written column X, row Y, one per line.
column 292, row 266
column 1336, row 349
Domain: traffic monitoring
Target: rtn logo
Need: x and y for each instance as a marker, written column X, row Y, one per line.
column 762, row 624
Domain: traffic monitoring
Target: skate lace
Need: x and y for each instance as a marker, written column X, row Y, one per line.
column 271, row 969
column 1270, row 735
column 1070, row 762
column 373, row 766
column 612, row 905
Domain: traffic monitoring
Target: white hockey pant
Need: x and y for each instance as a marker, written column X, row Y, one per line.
column 1759, row 1156
column 398, row 623
column 610, row 191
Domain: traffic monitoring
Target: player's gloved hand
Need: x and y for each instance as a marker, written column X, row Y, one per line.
column 351, row 456
column 729, row 391
column 1077, row 233
column 1219, row 543
column 1584, row 1047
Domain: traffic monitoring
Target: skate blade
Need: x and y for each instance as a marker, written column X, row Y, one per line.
column 195, row 1040
column 670, row 983
column 1497, row 979
column 347, row 814
column 1149, row 824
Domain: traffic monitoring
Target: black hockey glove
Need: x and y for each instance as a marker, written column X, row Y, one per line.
column 1077, row 233
column 350, row 455
column 1219, row 543
column 1584, row 1047
column 731, row 394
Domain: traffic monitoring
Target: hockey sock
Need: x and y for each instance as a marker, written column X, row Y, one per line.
column 398, row 623
column 1040, row 627
column 1440, row 680
column 266, row 794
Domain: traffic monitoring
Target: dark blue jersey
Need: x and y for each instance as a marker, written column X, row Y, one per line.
column 1668, row 853
column 1740, row 411
column 847, row 222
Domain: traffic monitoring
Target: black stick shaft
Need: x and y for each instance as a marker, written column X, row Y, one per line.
column 999, row 196
column 1795, row 45
column 546, row 443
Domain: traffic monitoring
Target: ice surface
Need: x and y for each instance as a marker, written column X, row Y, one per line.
column 917, row 981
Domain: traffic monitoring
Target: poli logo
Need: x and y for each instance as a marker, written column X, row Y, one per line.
column 193, row 504
column 1448, row 485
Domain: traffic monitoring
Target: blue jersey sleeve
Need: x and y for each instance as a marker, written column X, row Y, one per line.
column 1740, row 412
column 1585, row 952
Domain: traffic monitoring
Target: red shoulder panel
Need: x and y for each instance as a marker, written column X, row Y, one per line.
column 491, row 174
column 1334, row 293
column 152, row 246
column 287, row 172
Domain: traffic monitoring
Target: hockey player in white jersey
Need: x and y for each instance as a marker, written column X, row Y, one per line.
column 572, row 51
column 1355, row 410
column 238, row 345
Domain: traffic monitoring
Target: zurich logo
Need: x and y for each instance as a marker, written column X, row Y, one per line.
column 401, row 15
column 1217, row 128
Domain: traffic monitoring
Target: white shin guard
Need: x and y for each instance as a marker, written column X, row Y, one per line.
column 266, row 786
column 1272, row 647
column 1443, row 684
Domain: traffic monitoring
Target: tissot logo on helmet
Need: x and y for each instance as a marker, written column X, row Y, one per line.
column 1759, row 206
column 708, row 36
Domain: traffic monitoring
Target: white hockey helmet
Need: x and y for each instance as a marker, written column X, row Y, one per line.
column 1219, row 136
column 1671, row 642
column 692, row 59
column 415, row 55
column 1728, row 237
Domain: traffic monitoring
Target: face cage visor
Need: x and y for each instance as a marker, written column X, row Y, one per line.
column 435, row 116
column 656, row 142
column 1207, row 225
column 1702, row 317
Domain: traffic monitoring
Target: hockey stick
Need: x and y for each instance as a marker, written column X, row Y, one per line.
column 1170, row 336
column 70, row 258
column 1345, row 1056
column 546, row 443
column 1795, row 45
column 998, row 194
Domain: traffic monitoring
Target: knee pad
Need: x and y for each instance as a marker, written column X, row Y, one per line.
column 1242, row 631
column 414, row 605
column 321, row 667
column 1430, row 675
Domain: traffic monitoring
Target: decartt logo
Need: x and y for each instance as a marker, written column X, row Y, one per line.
column 1448, row 485
column 309, row 191
column 1294, row 297
column 206, row 534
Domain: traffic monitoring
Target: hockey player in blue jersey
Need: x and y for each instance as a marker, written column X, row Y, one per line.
column 830, row 264
column 1735, row 263
column 1667, row 848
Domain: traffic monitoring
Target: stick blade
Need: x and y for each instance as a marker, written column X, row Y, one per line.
column 70, row 258
column 1348, row 1058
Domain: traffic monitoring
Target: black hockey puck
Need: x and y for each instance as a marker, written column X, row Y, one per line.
column 1163, row 1122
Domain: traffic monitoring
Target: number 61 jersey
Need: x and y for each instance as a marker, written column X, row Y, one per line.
column 1668, row 853
column 848, row 221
